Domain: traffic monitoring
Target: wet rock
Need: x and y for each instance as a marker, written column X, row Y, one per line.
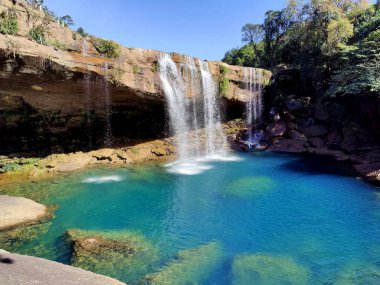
column 288, row 145
column 315, row 131
column 276, row 129
column 15, row 211
column 274, row 115
column 264, row 269
column 370, row 171
column 192, row 266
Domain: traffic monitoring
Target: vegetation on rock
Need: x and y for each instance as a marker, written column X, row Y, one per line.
column 111, row 252
column 190, row 267
column 107, row 48
column 38, row 34
column 8, row 22
column 223, row 80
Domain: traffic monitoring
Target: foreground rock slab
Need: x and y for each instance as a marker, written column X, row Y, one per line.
column 17, row 269
column 16, row 211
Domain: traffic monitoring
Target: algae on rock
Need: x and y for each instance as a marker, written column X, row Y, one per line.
column 268, row 270
column 192, row 266
column 110, row 253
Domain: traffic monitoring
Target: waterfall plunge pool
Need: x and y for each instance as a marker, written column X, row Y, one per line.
column 263, row 219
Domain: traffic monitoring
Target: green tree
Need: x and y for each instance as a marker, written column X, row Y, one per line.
column 67, row 20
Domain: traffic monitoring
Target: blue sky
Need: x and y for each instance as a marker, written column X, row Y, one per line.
column 201, row 28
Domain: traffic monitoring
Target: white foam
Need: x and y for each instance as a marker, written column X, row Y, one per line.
column 103, row 179
column 188, row 167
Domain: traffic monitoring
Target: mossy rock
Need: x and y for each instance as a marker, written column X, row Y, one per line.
column 126, row 255
column 191, row 266
column 268, row 270
column 250, row 186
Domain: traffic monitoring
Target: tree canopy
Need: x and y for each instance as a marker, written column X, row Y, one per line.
column 328, row 40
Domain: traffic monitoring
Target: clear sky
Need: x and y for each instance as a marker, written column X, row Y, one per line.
column 200, row 28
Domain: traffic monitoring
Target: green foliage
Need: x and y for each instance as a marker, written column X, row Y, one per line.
column 82, row 32
column 224, row 82
column 38, row 34
column 67, row 20
column 57, row 44
column 332, row 42
column 107, row 48
column 245, row 56
column 8, row 22
column 359, row 69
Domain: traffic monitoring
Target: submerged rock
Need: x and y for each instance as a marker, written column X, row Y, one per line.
column 250, row 186
column 268, row 270
column 16, row 211
column 359, row 274
column 110, row 253
column 192, row 266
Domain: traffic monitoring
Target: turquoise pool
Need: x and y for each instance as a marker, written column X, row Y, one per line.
column 270, row 219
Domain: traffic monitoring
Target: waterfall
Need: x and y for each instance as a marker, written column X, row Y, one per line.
column 190, row 64
column 108, row 138
column 174, row 90
column 254, row 107
column 215, row 137
column 87, row 90
column 191, row 95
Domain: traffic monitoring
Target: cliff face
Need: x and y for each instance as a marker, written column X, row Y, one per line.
column 65, row 99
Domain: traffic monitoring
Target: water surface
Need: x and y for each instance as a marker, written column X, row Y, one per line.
column 277, row 219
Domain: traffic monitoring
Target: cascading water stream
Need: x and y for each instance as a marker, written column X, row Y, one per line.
column 87, row 90
column 215, row 137
column 174, row 90
column 185, row 118
column 108, row 138
column 254, row 106
column 190, row 64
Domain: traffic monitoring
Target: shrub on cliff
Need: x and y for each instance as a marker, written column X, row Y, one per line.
column 38, row 34
column 107, row 48
column 8, row 22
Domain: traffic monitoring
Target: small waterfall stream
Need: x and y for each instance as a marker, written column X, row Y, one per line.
column 87, row 90
column 253, row 81
column 192, row 104
column 108, row 138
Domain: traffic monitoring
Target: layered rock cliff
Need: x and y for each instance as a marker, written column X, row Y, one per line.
column 59, row 96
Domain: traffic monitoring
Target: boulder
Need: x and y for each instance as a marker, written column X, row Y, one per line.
column 320, row 113
column 315, row 131
column 18, row 269
column 288, row 145
column 296, row 135
column 15, row 211
column 317, row 142
column 295, row 105
column 276, row 129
